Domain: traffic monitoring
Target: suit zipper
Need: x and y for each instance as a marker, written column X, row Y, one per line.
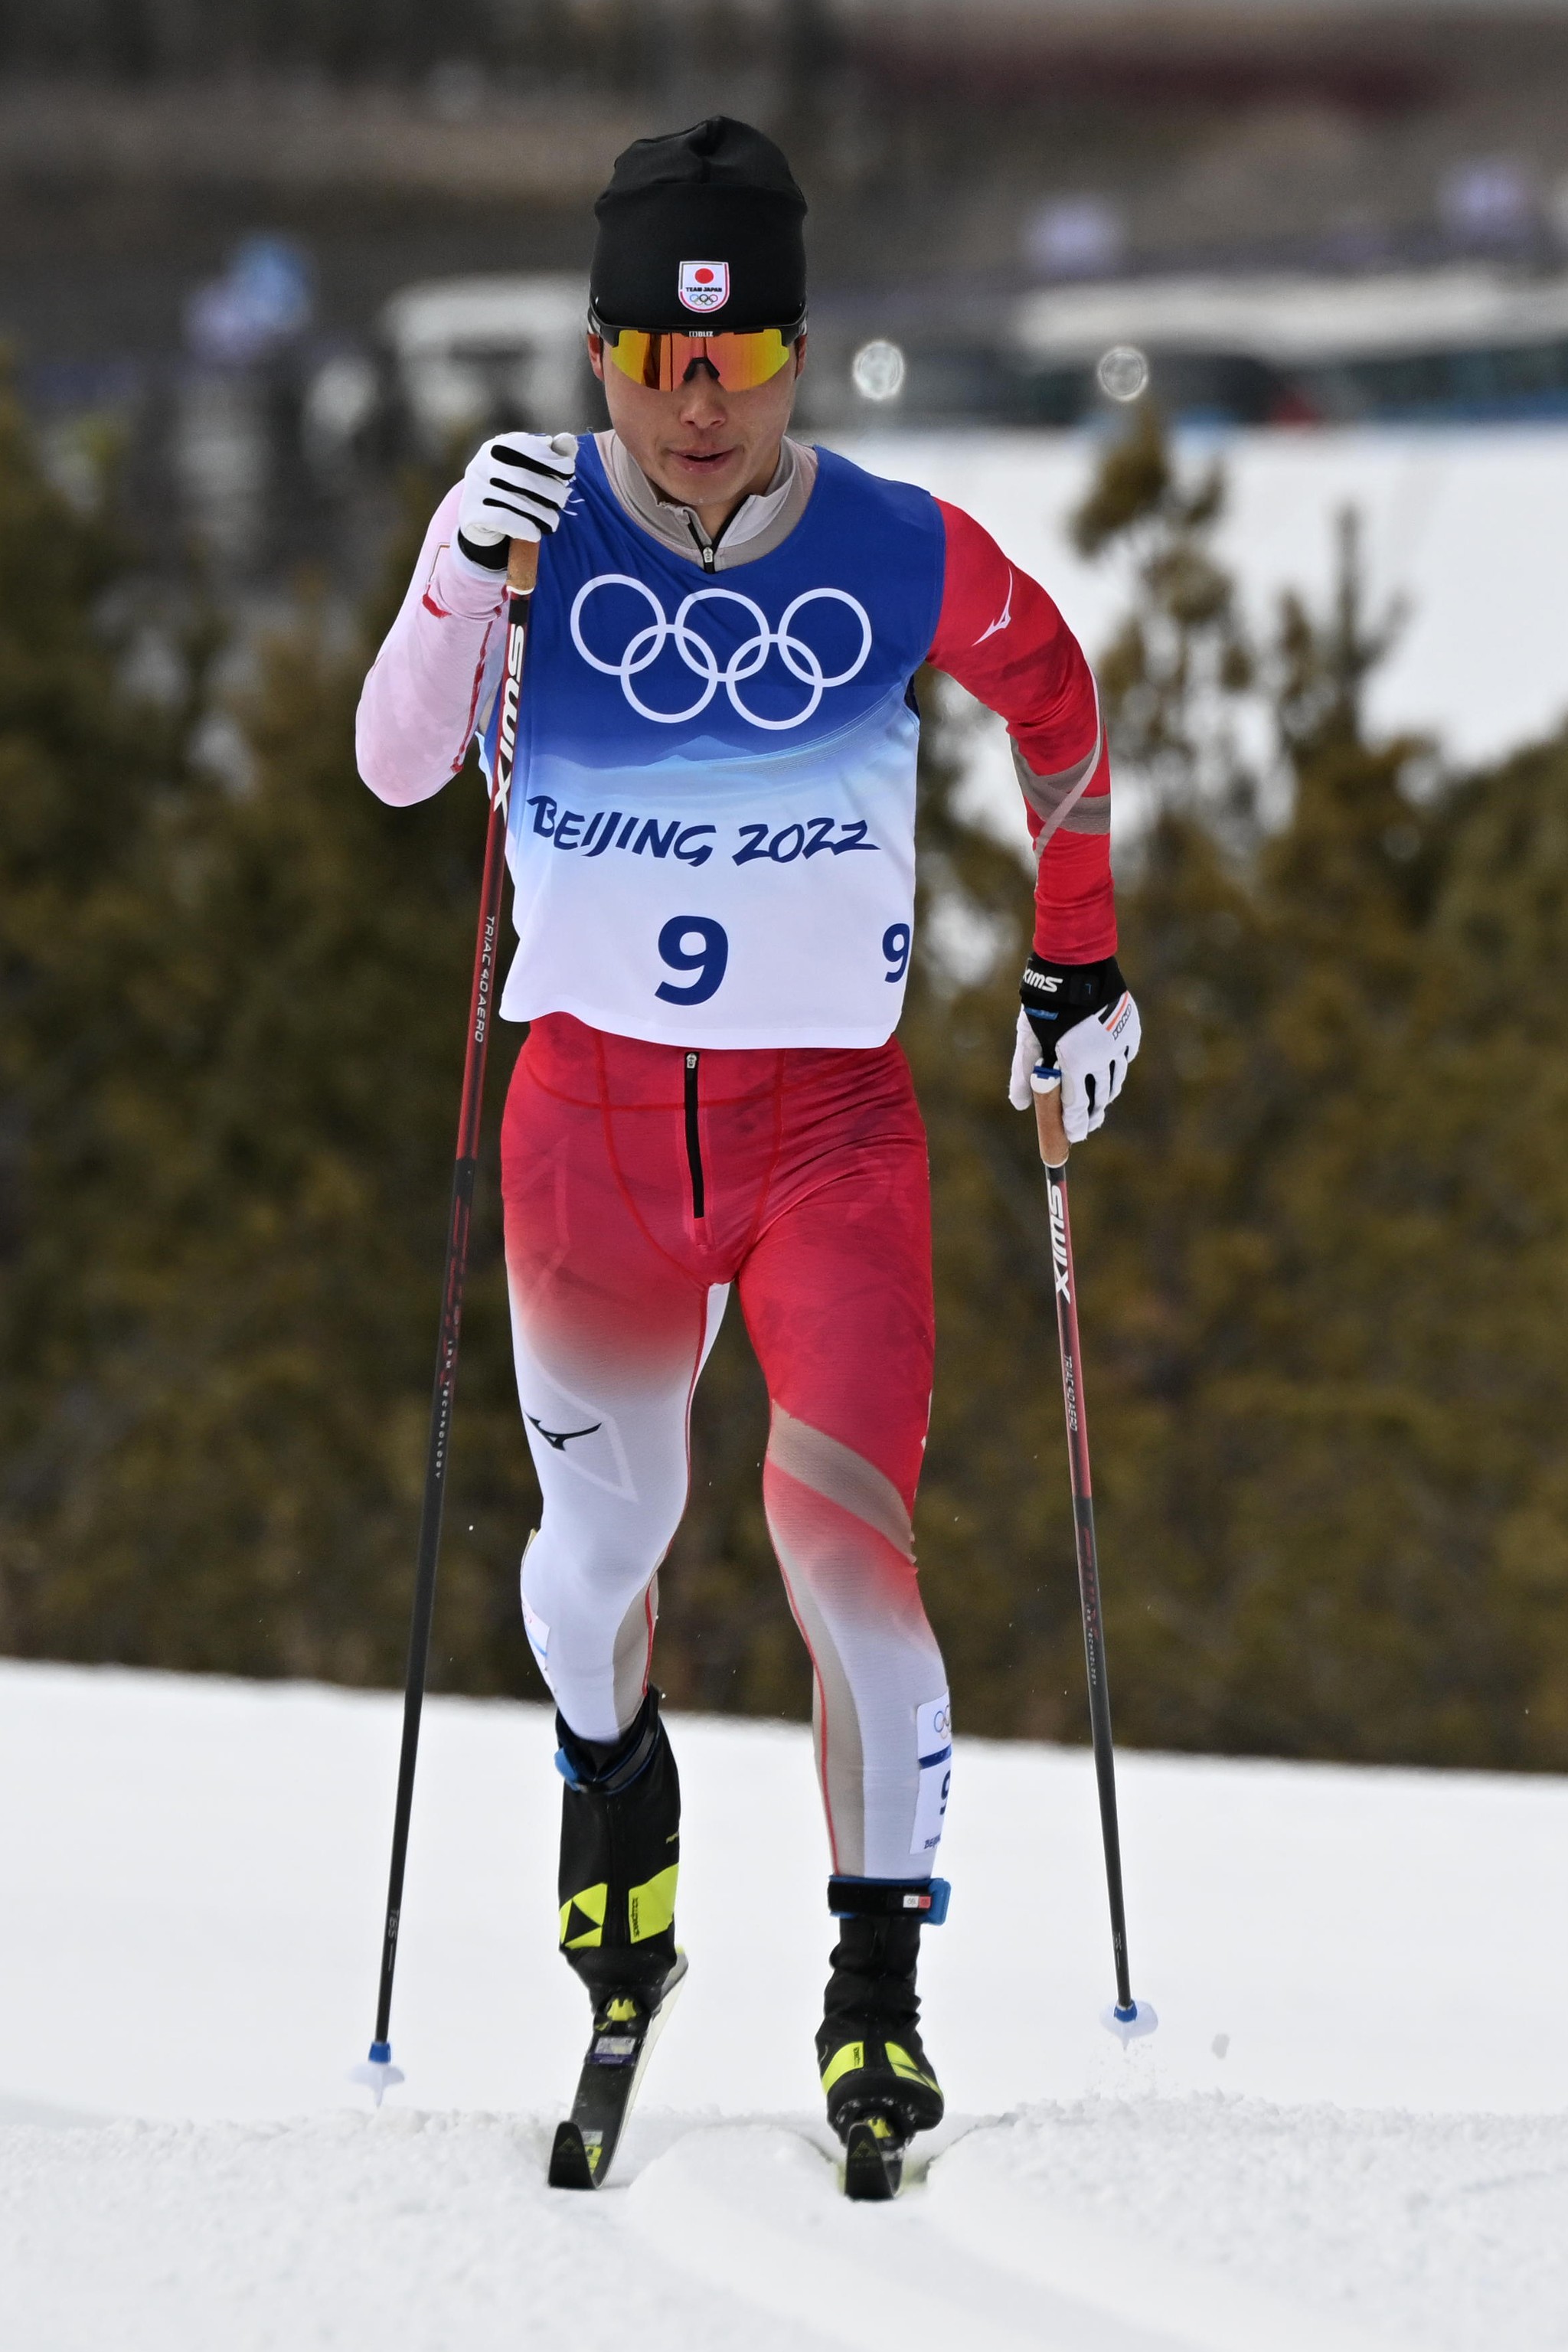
column 694, row 1140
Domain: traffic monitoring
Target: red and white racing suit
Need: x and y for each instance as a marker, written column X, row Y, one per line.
column 647, row 1171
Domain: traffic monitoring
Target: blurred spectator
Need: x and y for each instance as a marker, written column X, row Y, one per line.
column 263, row 301
column 1075, row 236
column 235, row 423
column 1488, row 202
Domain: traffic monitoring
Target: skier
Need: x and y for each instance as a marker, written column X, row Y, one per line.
column 711, row 841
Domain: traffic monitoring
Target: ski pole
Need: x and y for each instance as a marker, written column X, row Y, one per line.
column 1126, row 2018
column 522, row 567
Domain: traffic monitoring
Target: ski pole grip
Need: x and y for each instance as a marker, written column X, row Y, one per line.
column 522, row 566
column 1045, row 1086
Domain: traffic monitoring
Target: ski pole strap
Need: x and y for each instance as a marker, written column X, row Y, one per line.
column 890, row 1898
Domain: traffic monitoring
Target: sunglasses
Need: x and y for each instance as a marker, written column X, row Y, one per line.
column 661, row 361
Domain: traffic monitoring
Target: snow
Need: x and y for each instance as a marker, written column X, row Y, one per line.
column 1467, row 526
column 191, row 1880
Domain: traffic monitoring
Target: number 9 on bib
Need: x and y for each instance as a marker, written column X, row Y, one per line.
column 697, row 944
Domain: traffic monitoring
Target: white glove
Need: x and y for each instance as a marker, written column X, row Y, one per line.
column 515, row 488
column 1092, row 1056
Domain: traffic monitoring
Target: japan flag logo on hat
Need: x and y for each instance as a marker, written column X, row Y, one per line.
column 704, row 285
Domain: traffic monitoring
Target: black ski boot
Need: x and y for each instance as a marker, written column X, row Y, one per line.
column 877, row 2078
column 620, row 1856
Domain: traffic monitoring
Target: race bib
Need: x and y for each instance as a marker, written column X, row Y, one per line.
column 711, row 829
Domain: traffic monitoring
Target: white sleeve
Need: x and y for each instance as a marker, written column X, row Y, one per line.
column 431, row 684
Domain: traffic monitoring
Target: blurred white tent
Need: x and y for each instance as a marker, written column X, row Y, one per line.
column 1467, row 526
column 463, row 348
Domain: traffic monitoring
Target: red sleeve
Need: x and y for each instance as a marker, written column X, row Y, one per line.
column 1000, row 635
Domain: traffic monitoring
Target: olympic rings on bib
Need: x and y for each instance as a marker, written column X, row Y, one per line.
column 644, row 648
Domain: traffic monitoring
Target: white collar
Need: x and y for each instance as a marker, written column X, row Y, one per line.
column 757, row 526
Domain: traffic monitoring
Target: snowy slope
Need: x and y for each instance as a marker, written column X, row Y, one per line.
column 1468, row 526
column 190, row 1888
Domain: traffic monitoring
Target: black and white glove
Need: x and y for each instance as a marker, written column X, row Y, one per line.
column 1081, row 1019
column 515, row 488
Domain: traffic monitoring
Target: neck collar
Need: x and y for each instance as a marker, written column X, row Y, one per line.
column 762, row 521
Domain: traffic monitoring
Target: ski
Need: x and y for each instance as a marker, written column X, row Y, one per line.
column 874, row 2160
column 622, row 2043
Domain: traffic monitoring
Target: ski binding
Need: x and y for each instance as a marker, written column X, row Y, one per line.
column 874, row 2158
column 622, row 2043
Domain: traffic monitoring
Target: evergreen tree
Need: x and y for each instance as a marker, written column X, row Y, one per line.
column 1323, row 1312
column 242, row 1114
column 96, row 790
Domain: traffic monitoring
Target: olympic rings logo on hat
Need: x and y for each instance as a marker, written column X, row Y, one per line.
column 645, row 647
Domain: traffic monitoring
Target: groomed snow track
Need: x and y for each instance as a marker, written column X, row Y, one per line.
column 1164, row 2226
column 1351, row 2130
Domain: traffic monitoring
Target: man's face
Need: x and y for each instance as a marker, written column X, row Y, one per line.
column 699, row 444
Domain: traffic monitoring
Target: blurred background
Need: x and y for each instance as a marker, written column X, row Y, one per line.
column 255, row 236
column 1245, row 326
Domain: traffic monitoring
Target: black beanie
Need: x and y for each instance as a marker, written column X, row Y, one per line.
column 700, row 229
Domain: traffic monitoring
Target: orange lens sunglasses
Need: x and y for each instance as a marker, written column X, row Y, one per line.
column 661, row 361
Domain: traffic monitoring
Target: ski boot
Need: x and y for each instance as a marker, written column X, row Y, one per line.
column 877, row 2078
column 620, row 1856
